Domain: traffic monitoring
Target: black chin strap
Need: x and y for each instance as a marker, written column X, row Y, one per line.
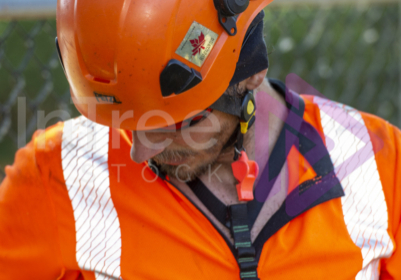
column 235, row 106
column 233, row 138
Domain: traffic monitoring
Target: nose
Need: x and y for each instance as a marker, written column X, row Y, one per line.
column 144, row 150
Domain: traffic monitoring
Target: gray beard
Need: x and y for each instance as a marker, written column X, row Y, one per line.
column 182, row 172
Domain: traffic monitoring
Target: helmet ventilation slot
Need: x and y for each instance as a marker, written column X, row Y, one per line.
column 100, row 80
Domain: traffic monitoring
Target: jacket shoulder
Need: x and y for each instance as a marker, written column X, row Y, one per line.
column 50, row 146
column 356, row 138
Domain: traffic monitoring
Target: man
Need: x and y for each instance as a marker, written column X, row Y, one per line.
column 166, row 177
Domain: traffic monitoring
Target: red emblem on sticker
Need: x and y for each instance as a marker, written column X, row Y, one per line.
column 198, row 44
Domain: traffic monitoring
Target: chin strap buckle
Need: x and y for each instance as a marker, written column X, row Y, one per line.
column 245, row 171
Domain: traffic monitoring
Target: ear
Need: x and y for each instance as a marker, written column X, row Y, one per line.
column 256, row 80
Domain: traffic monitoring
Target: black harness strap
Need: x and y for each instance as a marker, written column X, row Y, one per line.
column 218, row 208
column 235, row 217
column 246, row 253
column 279, row 154
column 212, row 203
column 240, row 218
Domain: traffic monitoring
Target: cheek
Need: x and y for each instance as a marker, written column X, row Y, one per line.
column 188, row 139
column 207, row 135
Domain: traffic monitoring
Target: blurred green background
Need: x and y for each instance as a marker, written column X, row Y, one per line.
column 350, row 53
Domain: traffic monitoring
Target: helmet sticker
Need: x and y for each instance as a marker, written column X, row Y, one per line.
column 108, row 99
column 197, row 44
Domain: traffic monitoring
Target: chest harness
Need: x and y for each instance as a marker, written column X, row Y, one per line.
column 236, row 217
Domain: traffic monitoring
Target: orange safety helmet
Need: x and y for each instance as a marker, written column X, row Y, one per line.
column 125, row 59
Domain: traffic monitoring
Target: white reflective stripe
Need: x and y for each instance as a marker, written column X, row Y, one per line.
column 85, row 148
column 364, row 205
column 99, row 276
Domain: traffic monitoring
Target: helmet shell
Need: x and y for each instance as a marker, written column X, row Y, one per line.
column 114, row 53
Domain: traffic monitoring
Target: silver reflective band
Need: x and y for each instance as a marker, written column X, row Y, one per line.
column 364, row 205
column 85, row 148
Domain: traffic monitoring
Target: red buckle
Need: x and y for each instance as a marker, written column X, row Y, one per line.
column 245, row 171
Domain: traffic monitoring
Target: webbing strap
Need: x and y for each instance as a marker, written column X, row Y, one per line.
column 273, row 167
column 218, row 208
column 212, row 203
column 240, row 218
column 234, row 217
column 240, row 230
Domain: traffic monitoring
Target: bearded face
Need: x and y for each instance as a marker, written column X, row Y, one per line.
column 180, row 159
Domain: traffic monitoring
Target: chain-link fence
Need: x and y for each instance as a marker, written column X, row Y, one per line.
column 29, row 68
column 349, row 53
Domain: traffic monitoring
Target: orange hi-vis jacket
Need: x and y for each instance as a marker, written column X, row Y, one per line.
column 75, row 206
